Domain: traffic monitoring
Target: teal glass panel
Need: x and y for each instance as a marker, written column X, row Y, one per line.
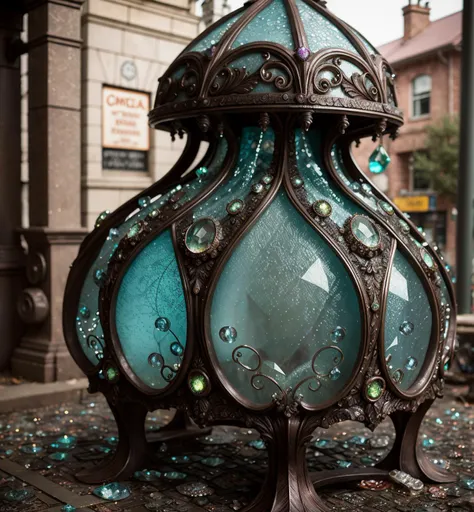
column 88, row 326
column 370, row 47
column 317, row 181
column 255, row 159
column 361, row 189
column 150, row 314
column 214, row 37
column 287, row 295
column 271, row 24
column 408, row 324
column 320, row 31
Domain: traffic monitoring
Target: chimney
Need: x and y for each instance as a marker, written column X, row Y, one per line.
column 417, row 18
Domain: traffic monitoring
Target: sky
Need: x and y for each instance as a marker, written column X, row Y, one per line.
column 380, row 21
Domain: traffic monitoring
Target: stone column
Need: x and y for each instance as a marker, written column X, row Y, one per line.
column 54, row 141
column 11, row 255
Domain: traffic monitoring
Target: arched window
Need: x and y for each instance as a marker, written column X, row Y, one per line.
column 421, row 96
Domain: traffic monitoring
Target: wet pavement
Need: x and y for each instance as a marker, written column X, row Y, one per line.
column 41, row 451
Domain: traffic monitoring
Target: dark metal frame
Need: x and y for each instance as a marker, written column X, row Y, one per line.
column 199, row 103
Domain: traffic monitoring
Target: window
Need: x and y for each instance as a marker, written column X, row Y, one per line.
column 419, row 181
column 421, row 94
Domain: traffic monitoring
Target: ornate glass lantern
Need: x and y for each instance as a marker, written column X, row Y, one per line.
column 270, row 285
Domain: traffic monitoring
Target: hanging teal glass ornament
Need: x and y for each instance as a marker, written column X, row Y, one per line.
column 379, row 160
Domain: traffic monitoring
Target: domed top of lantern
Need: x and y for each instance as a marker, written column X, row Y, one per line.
column 278, row 55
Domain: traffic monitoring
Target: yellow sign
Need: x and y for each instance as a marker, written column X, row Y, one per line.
column 413, row 203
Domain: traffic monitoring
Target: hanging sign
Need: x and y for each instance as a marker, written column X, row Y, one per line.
column 125, row 131
column 413, row 203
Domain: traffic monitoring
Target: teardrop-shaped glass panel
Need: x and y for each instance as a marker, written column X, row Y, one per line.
column 213, row 38
column 317, row 181
column 88, row 326
column 320, row 31
column 285, row 313
column 271, row 24
column 150, row 314
column 408, row 324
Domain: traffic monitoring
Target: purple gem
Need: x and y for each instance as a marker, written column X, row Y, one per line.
column 210, row 52
column 303, row 53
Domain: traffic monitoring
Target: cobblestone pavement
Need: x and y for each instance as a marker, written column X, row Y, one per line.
column 41, row 450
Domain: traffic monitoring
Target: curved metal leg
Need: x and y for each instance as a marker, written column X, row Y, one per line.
column 180, row 428
column 407, row 455
column 131, row 454
column 288, row 486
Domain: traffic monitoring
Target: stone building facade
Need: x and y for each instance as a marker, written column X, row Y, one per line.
column 427, row 62
column 126, row 44
column 57, row 59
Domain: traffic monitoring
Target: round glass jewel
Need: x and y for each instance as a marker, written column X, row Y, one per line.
column 267, row 179
column 84, row 312
column 99, row 277
column 144, row 201
column 228, row 334
column 257, row 188
column 387, row 207
column 156, row 360
column 303, row 53
column 404, row 226
column 375, row 389
column 202, row 171
column 365, row 232
column 101, row 218
column 201, row 236
column 411, row 363
column 407, row 328
column 235, row 207
column 198, row 383
column 322, row 208
column 111, row 373
column 338, row 334
column 334, row 374
column 176, row 349
column 429, row 262
column 162, row 324
column 297, row 182
column 133, row 231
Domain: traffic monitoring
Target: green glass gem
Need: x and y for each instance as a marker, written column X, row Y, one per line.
column 405, row 227
column 364, row 230
column 59, row 456
column 235, row 207
column 427, row 259
column 375, row 306
column 297, row 182
column 68, row 508
column 198, row 383
column 322, row 208
column 379, row 160
column 101, row 218
column 257, row 188
column 375, row 389
column 133, row 231
column 386, row 207
column 201, row 236
column 202, row 171
column 111, row 373
column 447, row 364
column 267, row 179
column 154, row 213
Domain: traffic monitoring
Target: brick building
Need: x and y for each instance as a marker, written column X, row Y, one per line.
column 427, row 61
